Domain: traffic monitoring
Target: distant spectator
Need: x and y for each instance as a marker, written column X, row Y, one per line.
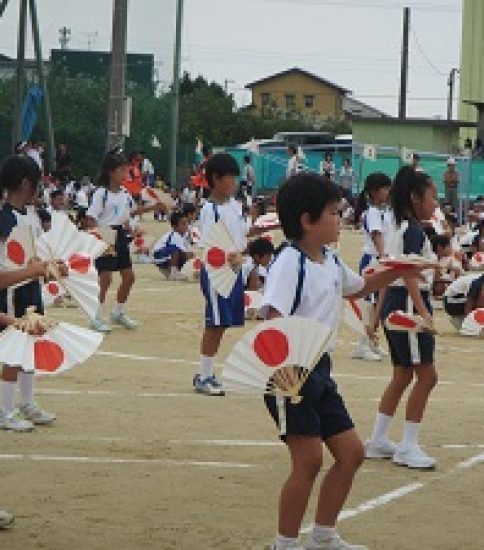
column 148, row 171
column 451, row 183
column 416, row 163
column 346, row 177
column 293, row 165
column 327, row 167
column 477, row 151
column 63, row 164
column 247, row 181
column 34, row 151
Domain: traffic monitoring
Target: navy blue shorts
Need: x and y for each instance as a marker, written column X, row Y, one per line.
column 122, row 258
column 321, row 413
column 220, row 311
column 365, row 261
column 407, row 349
column 163, row 255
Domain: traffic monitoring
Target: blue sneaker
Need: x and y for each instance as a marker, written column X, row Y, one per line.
column 208, row 386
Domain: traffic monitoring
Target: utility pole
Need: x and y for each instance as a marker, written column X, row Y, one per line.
column 3, row 5
column 226, row 85
column 20, row 74
column 118, row 74
column 176, row 92
column 64, row 37
column 451, row 84
column 402, row 108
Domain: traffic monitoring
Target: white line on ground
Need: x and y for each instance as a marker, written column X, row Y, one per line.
column 229, row 442
column 463, row 446
column 478, row 459
column 114, row 460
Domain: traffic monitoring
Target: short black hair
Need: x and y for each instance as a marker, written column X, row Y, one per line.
column 15, row 169
column 113, row 159
column 304, row 193
column 44, row 215
column 56, row 193
column 439, row 240
column 175, row 218
column 220, row 165
column 260, row 247
column 188, row 208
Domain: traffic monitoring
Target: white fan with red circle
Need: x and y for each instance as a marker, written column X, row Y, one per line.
column 356, row 315
column 219, row 244
column 473, row 324
column 269, row 220
column 106, row 235
column 141, row 243
column 409, row 261
column 401, row 321
column 477, row 261
column 195, row 235
column 60, row 348
column 78, row 250
column 52, row 292
column 19, row 247
column 276, row 357
column 191, row 268
column 252, row 303
column 152, row 196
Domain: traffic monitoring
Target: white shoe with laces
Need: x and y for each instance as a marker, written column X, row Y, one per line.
column 123, row 320
column 295, row 546
column 39, row 417
column 100, row 326
column 6, row 519
column 365, row 353
column 413, row 457
column 15, row 422
column 334, row 543
column 380, row 449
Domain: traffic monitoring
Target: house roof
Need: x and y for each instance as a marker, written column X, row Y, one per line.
column 297, row 70
column 352, row 102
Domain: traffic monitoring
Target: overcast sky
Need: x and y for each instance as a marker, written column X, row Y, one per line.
column 353, row 43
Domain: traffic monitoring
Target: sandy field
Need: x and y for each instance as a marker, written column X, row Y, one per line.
column 137, row 460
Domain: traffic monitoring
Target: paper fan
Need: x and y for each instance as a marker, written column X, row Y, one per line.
column 477, row 261
column 218, row 245
column 252, row 303
column 51, row 291
column 19, row 247
column 276, row 357
column 406, row 322
column 61, row 347
column 356, row 315
column 473, row 324
column 106, row 235
column 142, row 242
column 195, row 235
column 267, row 220
column 152, row 196
column 407, row 262
column 192, row 268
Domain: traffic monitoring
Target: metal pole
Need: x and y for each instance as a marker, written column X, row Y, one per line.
column 450, row 100
column 20, row 75
column 50, row 156
column 118, row 74
column 402, row 109
column 176, row 93
column 3, row 5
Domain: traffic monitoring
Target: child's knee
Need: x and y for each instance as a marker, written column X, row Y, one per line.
column 310, row 465
column 353, row 458
column 403, row 380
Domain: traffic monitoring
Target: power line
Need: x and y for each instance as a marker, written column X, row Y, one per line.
column 422, row 53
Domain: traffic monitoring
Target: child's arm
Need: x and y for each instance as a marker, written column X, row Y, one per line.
column 377, row 239
column 382, row 279
column 254, row 230
column 470, row 304
column 253, row 282
column 34, row 270
column 416, row 296
column 272, row 313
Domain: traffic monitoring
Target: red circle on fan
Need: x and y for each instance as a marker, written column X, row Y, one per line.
column 478, row 257
column 479, row 316
column 396, row 264
column 216, row 257
column 402, row 320
column 48, row 356
column 268, row 237
column 80, row 263
column 247, row 299
column 139, row 241
column 15, row 252
column 53, row 288
column 197, row 264
column 271, row 346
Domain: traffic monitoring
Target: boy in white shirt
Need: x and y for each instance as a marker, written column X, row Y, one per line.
column 309, row 280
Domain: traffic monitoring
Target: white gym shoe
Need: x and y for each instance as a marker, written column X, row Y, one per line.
column 295, row 546
column 100, row 326
column 365, row 353
column 15, row 422
column 32, row 412
column 413, row 457
column 6, row 519
column 334, row 543
column 177, row 276
column 123, row 320
column 380, row 449
column 208, row 386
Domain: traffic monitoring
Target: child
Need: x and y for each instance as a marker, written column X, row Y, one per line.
column 260, row 252
column 449, row 270
column 475, row 296
column 221, row 171
column 457, row 300
column 19, row 177
column 170, row 253
column 190, row 213
column 309, row 280
column 57, row 201
column 112, row 207
column 413, row 198
column 372, row 211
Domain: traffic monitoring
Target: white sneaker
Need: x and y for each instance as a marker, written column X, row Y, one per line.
column 123, row 320
column 413, row 457
column 32, row 412
column 208, row 386
column 334, row 543
column 177, row 276
column 100, row 326
column 365, row 353
column 295, row 546
column 15, row 422
column 6, row 519
column 380, row 449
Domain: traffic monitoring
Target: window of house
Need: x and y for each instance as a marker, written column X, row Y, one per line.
column 309, row 101
column 265, row 99
column 290, row 101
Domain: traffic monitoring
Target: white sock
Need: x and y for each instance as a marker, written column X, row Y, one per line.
column 322, row 534
column 381, row 427
column 283, row 542
column 118, row 308
column 364, row 342
column 99, row 314
column 173, row 270
column 26, row 387
column 8, row 393
column 206, row 367
column 410, row 434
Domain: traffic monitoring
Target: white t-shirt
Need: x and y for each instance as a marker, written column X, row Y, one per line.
column 293, row 166
column 457, row 291
column 323, row 289
column 231, row 214
column 176, row 240
column 109, row 208
column 189, row 195
column 376, row 219
column 81, row 199
column 247, row 268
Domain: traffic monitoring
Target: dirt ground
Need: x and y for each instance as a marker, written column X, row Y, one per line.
column 137, row 460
